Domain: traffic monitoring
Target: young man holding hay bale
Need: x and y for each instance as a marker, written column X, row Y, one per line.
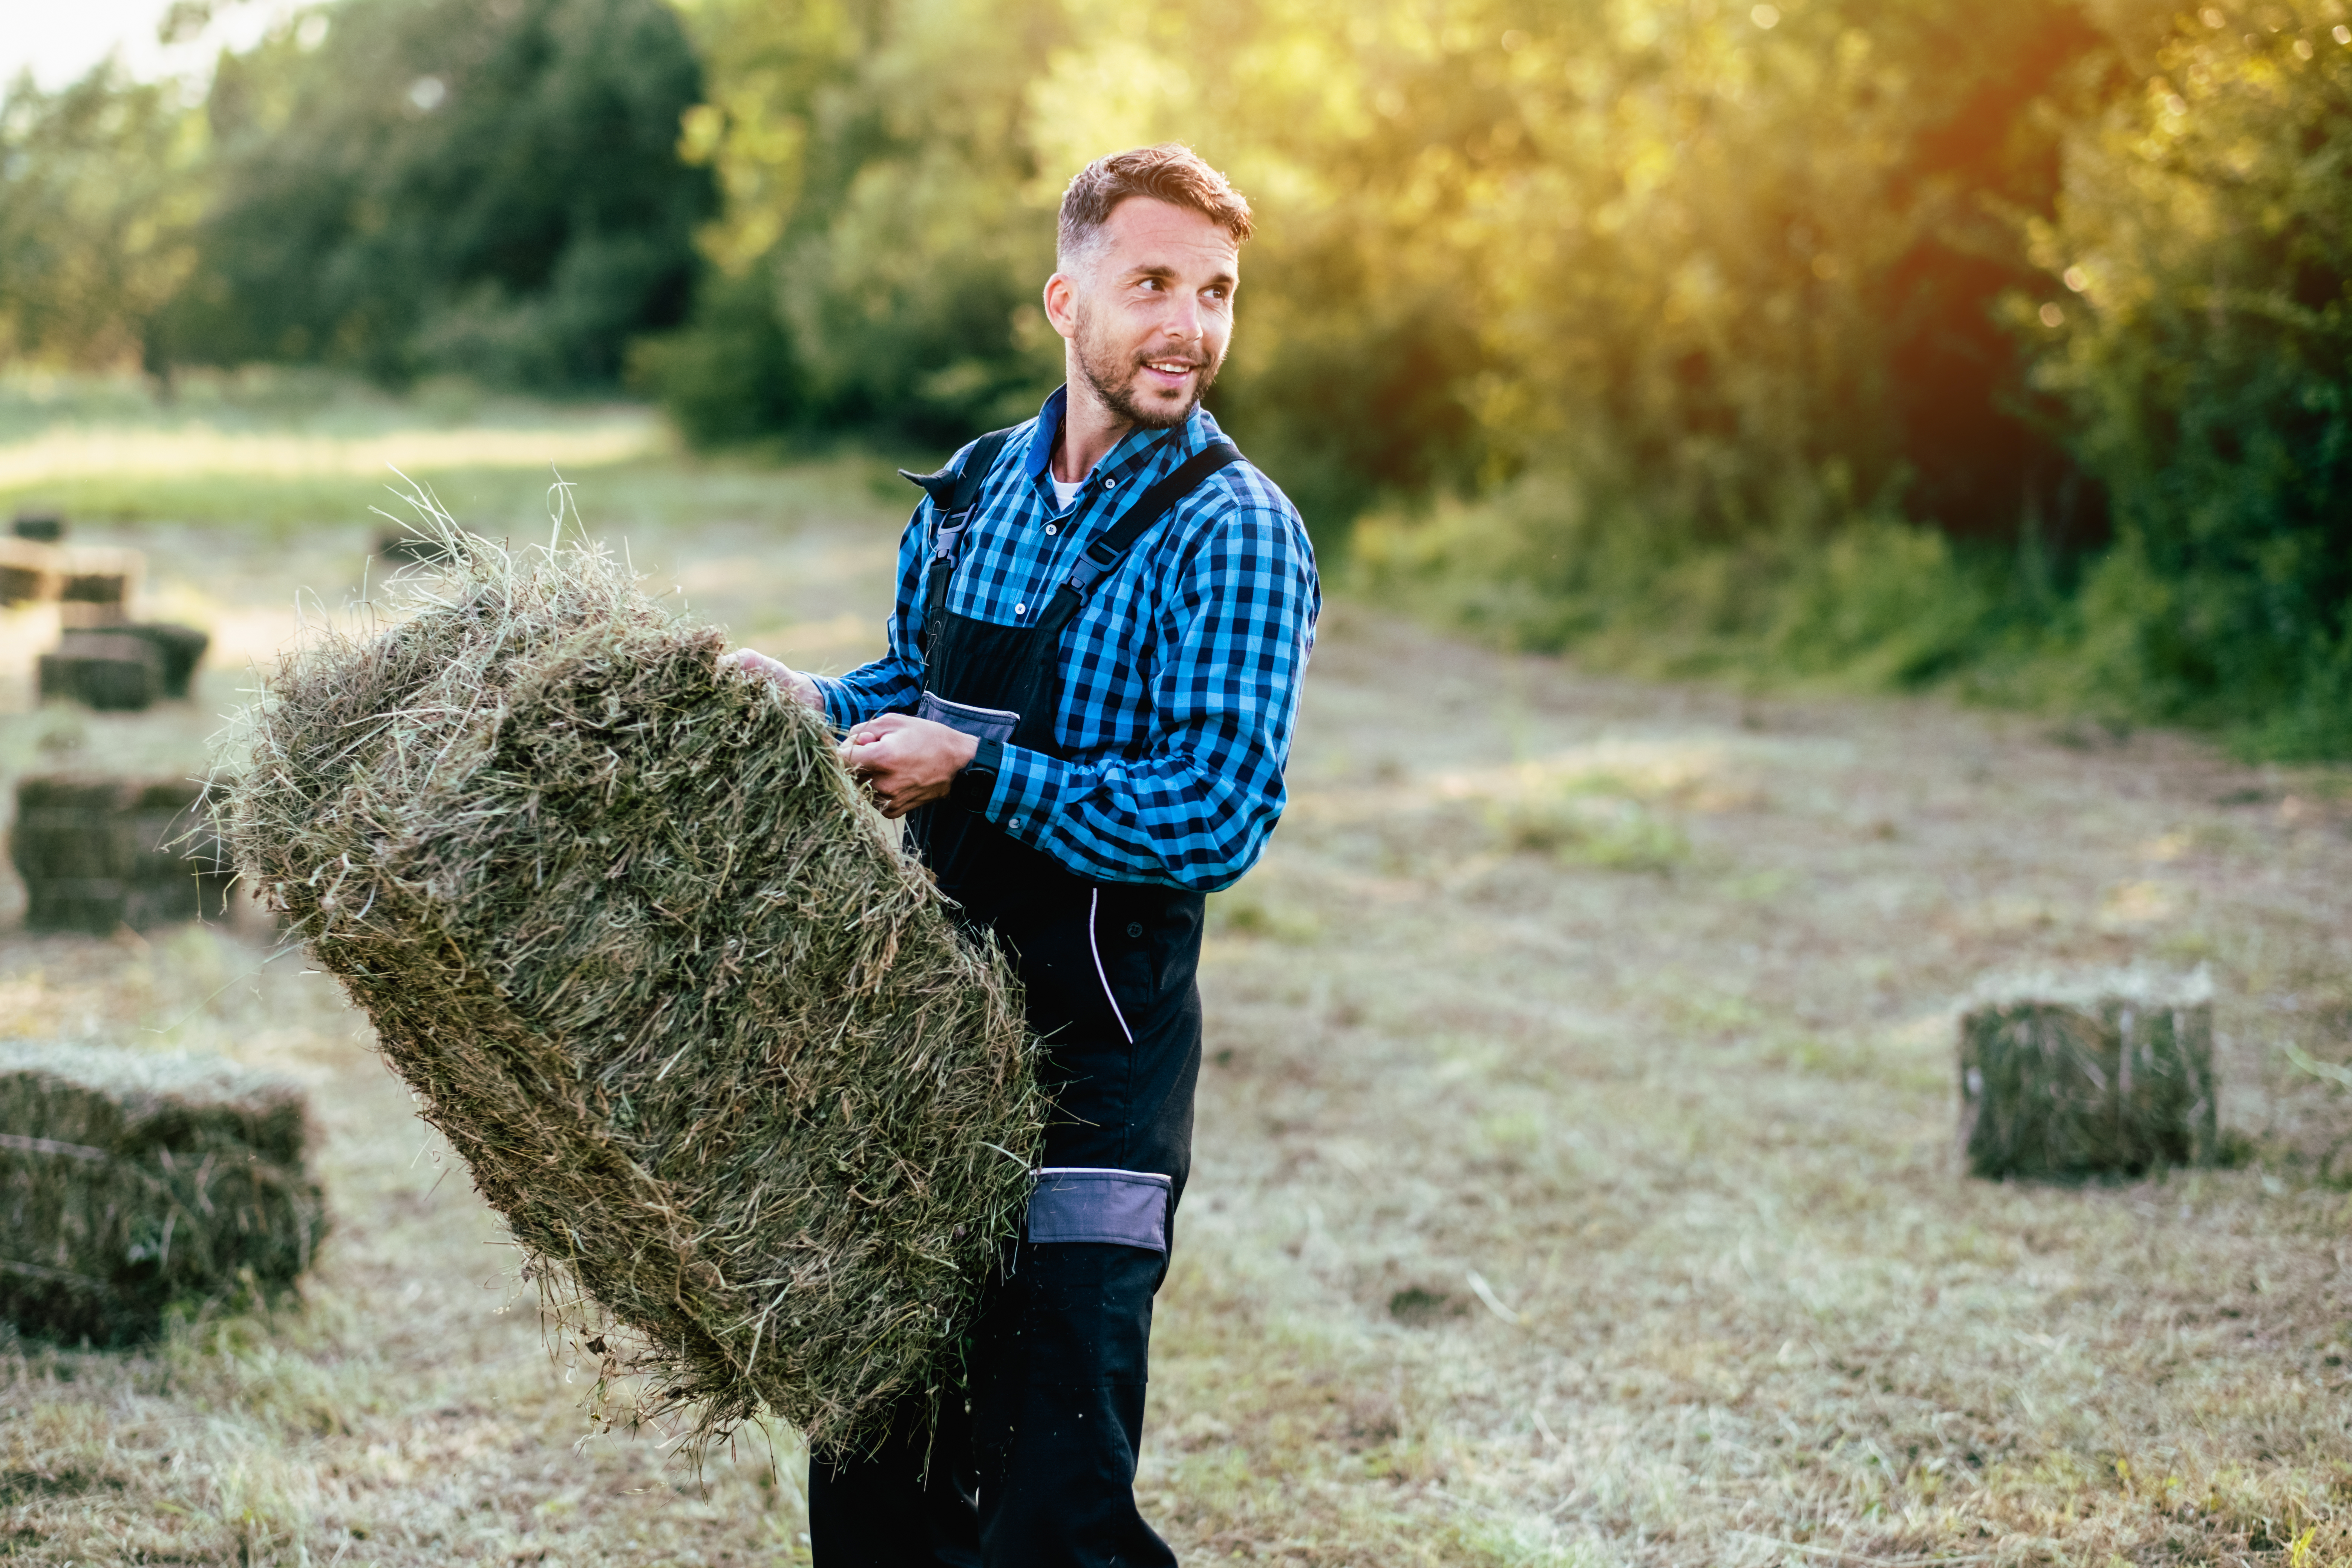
column 1102, row 616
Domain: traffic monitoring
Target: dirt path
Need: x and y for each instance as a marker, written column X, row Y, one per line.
column 1574, row 1183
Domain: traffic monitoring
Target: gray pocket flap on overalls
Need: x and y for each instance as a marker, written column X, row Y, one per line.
column 1127, row 1208
column 995, row 724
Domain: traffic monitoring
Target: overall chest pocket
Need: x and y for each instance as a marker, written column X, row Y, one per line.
column 980, row 723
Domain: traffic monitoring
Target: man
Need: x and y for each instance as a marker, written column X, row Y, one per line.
column 1102, row 620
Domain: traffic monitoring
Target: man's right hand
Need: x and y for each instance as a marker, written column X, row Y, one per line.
column 783, row 677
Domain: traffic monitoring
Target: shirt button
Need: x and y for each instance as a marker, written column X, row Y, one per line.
column 1135, row 928
column 1051, row 528
column 1110, row 484
column 1020, row 609
column 1015, row 823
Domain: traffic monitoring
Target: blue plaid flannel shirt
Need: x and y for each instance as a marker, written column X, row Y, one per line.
column 1180, row 673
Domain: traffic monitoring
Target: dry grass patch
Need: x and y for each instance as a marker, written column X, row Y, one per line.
column 1693, row 1135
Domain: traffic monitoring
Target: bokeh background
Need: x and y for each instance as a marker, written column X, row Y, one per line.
column 1822, row 502
column 1998, row 343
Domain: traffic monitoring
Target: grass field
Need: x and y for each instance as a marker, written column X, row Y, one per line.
column 1575, row 1180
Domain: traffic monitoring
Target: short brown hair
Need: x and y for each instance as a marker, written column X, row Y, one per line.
column 1171, row 172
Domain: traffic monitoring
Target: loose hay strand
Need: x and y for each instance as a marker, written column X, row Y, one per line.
column 659, row 973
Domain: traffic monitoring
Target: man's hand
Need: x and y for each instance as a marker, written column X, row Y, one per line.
column 907, row 762
column 776, row 672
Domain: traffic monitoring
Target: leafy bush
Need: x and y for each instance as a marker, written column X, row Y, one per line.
column 1829, row 592
column 2199, row 328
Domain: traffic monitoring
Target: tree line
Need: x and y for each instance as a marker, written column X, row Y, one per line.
column 2000, row 341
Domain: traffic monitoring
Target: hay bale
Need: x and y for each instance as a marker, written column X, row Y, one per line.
column 706, row 1036
column 123, row 668
column 111, row 672
column 96, row 585
column 29, row 570
column 178, row 650
column 97, row 853
column 129, row 1181
column 42, row 527
column 107, row 594
column 2066, row 1077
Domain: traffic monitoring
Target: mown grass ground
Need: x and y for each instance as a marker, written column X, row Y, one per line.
column 1575, row 1180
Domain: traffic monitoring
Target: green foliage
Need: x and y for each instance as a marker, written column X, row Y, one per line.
column 99, row 184
column 1718, row 251
column 1828, row 592
column 442, row 185
column 882, row 212
column 730, row 375
column 1889, row 339
column 2202, row 340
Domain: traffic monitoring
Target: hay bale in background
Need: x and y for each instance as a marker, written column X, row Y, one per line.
column 94, row 585
column 2064, row 1078
column 706, row 1036
column 122, row 668
column 178, row 650
column 114, row 672
column 129, row 1181
column 98, row 853
column 103, row 598
column 97, row 585
column 29, row 570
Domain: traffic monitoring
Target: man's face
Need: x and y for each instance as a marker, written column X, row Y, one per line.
column 1149, row 314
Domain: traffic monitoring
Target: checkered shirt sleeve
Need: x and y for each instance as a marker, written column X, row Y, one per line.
column 1180, row 675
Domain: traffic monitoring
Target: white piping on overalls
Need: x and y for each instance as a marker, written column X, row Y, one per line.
column 1094, row 907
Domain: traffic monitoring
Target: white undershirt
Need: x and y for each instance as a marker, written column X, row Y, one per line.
column 1063, row 494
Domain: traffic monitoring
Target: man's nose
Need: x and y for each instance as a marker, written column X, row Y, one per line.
column 1184, row 320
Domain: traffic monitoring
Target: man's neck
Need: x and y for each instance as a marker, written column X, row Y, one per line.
column 1089, row 431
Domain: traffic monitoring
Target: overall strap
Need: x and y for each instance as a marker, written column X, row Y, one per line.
column 953, row 493
column 1105, row 551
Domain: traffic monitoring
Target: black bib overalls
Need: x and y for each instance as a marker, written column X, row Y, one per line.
column 1034, row 1465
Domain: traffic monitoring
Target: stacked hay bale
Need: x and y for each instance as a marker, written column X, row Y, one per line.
column 29, row 570
column 2101, row 1074
column 94, row 593
column 97, row 853
column 178, row 650
column 111, row 672
column 130, row 1182
column 122, row 668
column 706, row 1037
column 93, row 585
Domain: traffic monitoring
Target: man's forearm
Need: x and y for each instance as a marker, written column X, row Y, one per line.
column 1161, row 819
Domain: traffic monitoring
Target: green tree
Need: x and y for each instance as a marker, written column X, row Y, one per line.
column 882, row 212
column 100, row 185
column 484, row 186
column 2197, row 319
column 1711, row 249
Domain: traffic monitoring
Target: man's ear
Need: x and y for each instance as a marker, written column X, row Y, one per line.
column 1062, row 303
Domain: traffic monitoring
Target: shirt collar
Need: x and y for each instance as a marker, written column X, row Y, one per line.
column 1135, row 448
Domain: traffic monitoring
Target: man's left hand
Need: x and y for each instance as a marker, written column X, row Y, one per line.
column 907, row 762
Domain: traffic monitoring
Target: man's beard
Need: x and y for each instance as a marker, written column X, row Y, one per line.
column 1111, row 373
